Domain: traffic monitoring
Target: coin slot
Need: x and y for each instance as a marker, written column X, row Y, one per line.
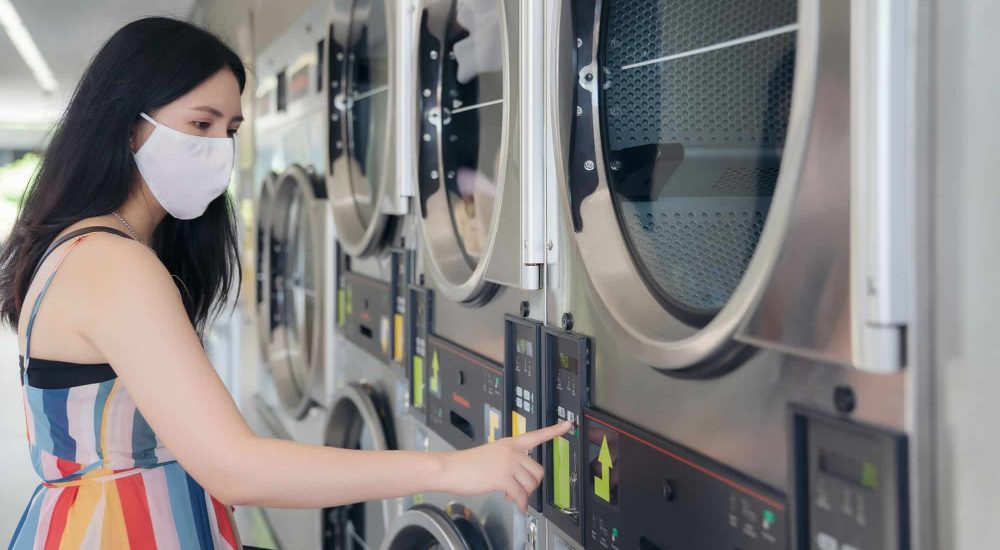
column 462, row 424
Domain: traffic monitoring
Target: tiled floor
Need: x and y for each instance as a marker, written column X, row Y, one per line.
column 17, row 478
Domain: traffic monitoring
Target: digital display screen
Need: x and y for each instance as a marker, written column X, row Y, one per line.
column 860, row 473
column 568, row 362
column 524, row 347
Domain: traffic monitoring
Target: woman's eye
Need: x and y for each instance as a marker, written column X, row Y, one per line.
column 202, row 125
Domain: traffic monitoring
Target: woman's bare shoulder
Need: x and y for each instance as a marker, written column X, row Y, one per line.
column 104, row 262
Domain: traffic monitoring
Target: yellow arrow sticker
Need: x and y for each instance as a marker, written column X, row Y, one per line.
column 602, row 483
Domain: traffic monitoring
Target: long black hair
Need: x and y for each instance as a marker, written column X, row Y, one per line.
column 87, row 169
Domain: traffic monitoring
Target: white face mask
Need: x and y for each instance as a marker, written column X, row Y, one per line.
column 185, row 172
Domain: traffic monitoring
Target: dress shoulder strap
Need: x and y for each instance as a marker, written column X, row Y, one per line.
column 75, row 234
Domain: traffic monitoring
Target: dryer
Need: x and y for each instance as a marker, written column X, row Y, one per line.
column 360, row 418
column 369, row 168
column 439, row 520
column 368, row 176
column 293, row 276
column 726, row 179
column 262, row 279
column 479, row 210
column 297, row 262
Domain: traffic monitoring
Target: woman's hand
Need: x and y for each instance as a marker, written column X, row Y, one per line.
column 503, row 465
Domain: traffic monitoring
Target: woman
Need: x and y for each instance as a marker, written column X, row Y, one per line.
column 137, row 440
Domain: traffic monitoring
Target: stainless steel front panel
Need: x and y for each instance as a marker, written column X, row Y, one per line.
column 263, row 263
column 360, row 418
column 472, row 193
column 364, row 76
column 739, row 417
column 297, row 343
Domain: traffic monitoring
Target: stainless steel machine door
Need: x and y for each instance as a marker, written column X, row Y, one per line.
column 426, row 527
column 297, row 234
column 359, row 419
column 265, row 323
column 685, row 145
column 464, row 119
column 361, row 116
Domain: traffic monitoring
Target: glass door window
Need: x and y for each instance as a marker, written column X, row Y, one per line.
column 694, row 106
column 462, row 56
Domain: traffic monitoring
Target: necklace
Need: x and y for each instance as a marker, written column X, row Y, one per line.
column 129, row 227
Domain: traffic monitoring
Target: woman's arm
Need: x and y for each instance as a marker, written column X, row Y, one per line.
column 137, row 320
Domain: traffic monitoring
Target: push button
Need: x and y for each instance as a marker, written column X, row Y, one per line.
column 826, row 542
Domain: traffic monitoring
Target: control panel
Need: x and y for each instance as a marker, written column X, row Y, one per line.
column 522, row 346
column 419, row 312
column 850, row 484
column 566, row 381
column 364, row 313
column 642, row 491
column 465, row 395
column 402, row 274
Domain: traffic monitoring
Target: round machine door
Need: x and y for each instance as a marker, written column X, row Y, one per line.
column 297, row 233
column 362, row 117
column 265, row 324
column 465, row 113
column 426, row 527
column 359, row 419
column 687, row 137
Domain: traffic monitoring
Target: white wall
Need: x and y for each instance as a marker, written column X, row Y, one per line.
column 966, row 174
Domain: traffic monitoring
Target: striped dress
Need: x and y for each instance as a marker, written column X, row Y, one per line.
column 108, row 482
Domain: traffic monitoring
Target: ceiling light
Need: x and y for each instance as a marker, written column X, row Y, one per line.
column 19, row 35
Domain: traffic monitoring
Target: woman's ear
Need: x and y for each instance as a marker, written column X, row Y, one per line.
column 131, row 137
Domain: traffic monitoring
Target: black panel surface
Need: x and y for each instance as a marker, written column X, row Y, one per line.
column 642, row 491
column 466, row 395
column 851, row 484
column 367, row 313
column 402, row 272
column 566, row 383
column 420, row 309
column 522, row 347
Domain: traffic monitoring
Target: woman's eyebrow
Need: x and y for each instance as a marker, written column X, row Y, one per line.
column 215, row 112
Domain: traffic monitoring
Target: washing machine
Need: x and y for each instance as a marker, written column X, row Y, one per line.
column 369, row 180
column 479, row 218
column 730, row 288
column 369, row 172
column 294, row 280
column 439, row 520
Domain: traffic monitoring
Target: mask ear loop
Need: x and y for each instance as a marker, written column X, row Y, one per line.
column 149, row 118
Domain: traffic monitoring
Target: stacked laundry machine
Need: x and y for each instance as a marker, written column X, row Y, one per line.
column 294, row 276
column 685, row 227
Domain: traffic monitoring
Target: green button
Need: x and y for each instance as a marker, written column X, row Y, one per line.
column 560, row 455
column 869, row 476
column 768, row 519
column 614, row 533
